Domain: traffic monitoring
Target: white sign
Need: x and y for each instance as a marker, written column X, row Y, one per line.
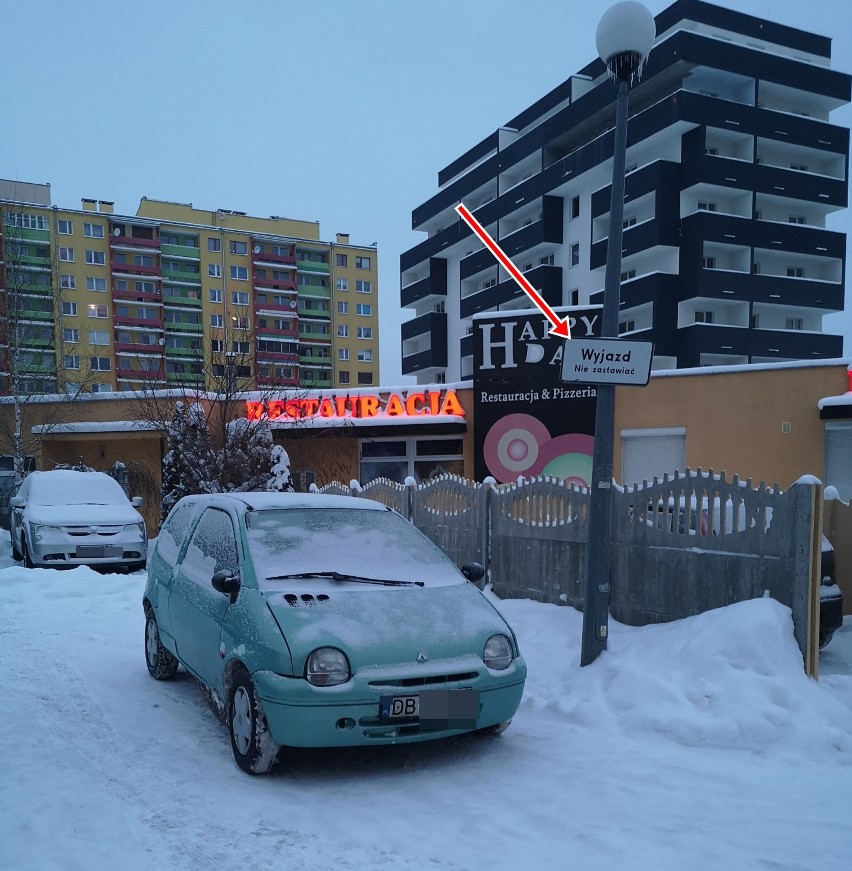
column 607, row 361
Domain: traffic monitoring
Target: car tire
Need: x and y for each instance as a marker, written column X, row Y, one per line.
column 25, row 552
column 162, row 665
column 16, row 554
column 254, row 750
column 824, row 638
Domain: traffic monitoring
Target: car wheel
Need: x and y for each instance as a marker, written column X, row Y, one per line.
column 162, row 665
column 254, row 750
column 824, row 638
column 16, row 554
column 26, row 554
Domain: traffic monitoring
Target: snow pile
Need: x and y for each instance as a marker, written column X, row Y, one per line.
column 730, row 678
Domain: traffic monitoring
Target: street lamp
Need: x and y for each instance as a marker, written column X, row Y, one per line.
column 624, row 39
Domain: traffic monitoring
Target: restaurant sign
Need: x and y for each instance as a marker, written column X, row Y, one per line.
column 435, row 403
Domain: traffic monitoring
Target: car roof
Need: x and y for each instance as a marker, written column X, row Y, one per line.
column 266, row 501
column 69, row 486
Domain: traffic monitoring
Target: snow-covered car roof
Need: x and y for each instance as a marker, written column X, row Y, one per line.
column 69, row 487
column 267, row 501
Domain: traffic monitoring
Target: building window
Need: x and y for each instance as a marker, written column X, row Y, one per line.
column 626, row 327
column 709, row 262
column 547, row 260
column 66, row 228
column 342, row 260
column 69, row 308
column 66, row 255
column 97, row 311
column 704, row 317
column 216, row 295
column 365, row 355
column 628, row 222
column 238, row 247
column 797, row 219
column 364, row 308
column 711, row 151
column 343, row 331
column 68, row 281
column 216, row 321
column 575, row 207
column 239, row 273
column 101, row 364
column 93, row 231
column 99, row 337
column 93, row 283
column 365, row 332
column 98, row 258
column 706, row 207
column 574, row 296
column 795, row 324
column 214, row 243
column 795, row 272
column 70, row 335
column 240, row 323
column 343, row 308
column 755, row 268
column 239, row 347
column 575, row 254
column 441, row 377
column 343, row 377
column 363, row 287
column 239, row 297
column 343, row 353
column 627, row 275
column 801, row 167
column 343, row 284
column 72, row 361
column 365, row 378
column 214, row 270
column 362, row 262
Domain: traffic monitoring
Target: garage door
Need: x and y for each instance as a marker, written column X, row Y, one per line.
column 649, row 452
column 838, row 457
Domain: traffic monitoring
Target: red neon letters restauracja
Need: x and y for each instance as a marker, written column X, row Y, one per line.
column 413, row 405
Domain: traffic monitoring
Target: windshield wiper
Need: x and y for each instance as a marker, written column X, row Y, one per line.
column 337, row 576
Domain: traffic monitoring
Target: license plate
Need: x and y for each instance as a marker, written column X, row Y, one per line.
column 98, row 551
column 399, row 707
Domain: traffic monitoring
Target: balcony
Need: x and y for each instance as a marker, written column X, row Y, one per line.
column 193, row 378
column 181, row 300
column 35, row 315
column 181, row 276
column 125, row 373
column 308, row 360
column 194, row 353
column 137, row 295
column 121, row 241
column 183, row 327
column 26, row 234
column 277, row 381
column 433, row 285
column 429, row 329
column 260, row 332
column 186, row 252
column 277, row 356
column 273, row 308
column 128, row 321
column 311, row 266
column 545, row 279
column 120, row 268
column 314, row 291
column 267, row 257
column 151, row 349
column 274, row 283
column 317, row 338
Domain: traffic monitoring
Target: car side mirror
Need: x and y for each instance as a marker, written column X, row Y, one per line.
column 137, row 501
column 227, row 583
column 16, row 502
column 473, row 572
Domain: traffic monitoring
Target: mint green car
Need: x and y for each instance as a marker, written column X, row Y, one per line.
column 324, row 621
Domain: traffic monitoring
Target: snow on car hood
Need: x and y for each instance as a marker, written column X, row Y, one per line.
column 82, row 515
column 388, row 624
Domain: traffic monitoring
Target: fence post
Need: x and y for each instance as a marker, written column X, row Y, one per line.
column 806, row 509
column 486, row 501
column 410, row 488
column 355, row 487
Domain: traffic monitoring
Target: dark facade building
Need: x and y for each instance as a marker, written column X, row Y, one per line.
column 733, row 166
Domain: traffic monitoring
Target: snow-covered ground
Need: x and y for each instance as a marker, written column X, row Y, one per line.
column 699, row 745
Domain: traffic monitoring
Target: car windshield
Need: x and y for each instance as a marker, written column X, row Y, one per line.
column 75, row 488
column 285, row 543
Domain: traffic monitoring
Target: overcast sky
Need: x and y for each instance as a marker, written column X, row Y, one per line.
column 340, row 111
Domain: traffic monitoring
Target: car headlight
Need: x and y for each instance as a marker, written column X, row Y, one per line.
column 498, row 652
column 138, row 528
column 327, row 667
column 36, row 530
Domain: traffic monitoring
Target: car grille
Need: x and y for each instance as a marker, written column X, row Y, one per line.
column 92, row 530
column 429, row 680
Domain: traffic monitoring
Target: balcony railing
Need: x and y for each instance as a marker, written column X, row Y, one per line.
column 125, row 372
column 153, row 296
column 153, row 323
column 186, row 251
column 133, row 268
column 134, row 241
column 311, row 266
column 138, row 348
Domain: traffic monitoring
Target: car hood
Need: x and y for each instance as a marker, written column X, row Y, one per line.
column 81, row 515
column 387, row 624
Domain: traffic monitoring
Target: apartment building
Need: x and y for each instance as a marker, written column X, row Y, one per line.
column 178, row 296
column 733, row 167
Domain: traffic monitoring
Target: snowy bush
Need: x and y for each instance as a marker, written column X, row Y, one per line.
column 281, row 480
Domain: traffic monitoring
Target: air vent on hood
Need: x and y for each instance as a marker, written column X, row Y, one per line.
column 307, row 599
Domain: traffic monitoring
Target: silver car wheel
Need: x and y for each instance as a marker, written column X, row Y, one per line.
column 241, row 720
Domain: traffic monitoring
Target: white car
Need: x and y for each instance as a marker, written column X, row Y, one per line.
column 68, row 518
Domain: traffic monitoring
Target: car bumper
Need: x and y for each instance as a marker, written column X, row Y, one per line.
column 830, row 614
column 53, row 554
column 300, row 715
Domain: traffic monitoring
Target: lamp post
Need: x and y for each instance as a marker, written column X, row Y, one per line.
column 624, row 38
